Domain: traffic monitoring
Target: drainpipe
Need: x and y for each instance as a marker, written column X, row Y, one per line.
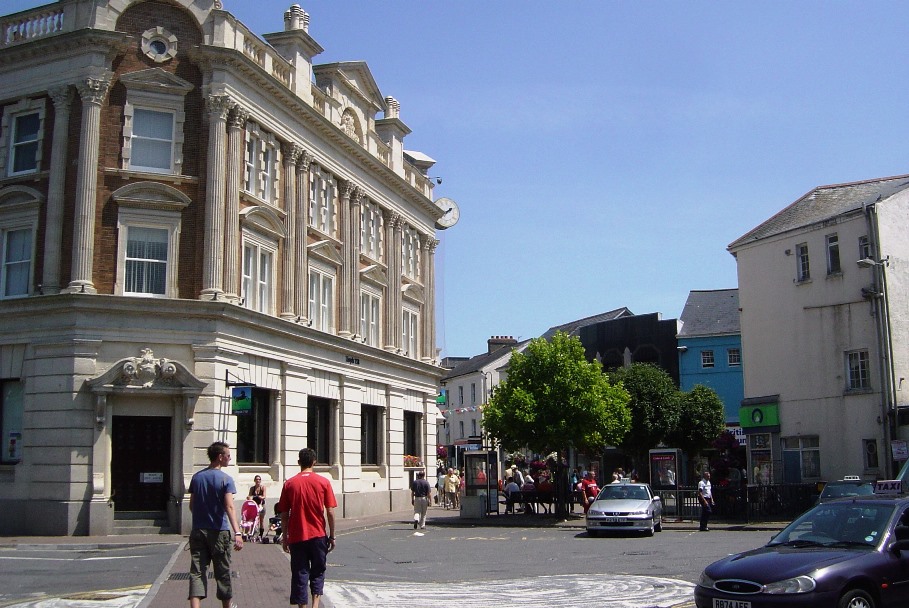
column 880, row 306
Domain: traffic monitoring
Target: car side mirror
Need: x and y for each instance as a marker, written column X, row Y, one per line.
column 657, row 498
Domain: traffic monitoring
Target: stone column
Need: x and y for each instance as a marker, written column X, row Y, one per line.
column 356, row 206
column 53, row 234
column 429, row 299
column 347, row 191
column 213, row 251
column 291, row 153
column 92, row 90
column 300, row 227
column 236, row 124
column 394, row 226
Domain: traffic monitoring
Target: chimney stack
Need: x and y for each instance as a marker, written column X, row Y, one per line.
column 499, row 342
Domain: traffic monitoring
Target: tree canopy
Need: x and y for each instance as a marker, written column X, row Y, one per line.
column 655, row 406
column 554, row 398
column 702, row 420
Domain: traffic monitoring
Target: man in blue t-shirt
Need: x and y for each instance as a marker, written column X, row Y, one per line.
column 211, row 502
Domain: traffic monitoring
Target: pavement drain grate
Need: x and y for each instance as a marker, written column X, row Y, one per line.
column 184, row 576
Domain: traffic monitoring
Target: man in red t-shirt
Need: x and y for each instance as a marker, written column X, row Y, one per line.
column 307, row 500
column 590, row 488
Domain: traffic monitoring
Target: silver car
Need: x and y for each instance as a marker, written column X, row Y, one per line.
column 625, row 506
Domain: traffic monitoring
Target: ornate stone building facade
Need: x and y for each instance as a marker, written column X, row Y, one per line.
column 205, row 237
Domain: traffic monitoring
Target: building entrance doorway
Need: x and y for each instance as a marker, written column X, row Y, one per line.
column 140, row 462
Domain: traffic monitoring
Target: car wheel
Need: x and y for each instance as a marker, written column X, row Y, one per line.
column 856, row 598
column 649, row 531
column 659, row 524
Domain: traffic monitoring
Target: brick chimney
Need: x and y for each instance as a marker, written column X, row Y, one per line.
column 495, row 343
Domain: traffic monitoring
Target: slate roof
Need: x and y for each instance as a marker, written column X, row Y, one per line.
column 712, row 312
column 823, row 203
column 477, row 363
column 572, row 328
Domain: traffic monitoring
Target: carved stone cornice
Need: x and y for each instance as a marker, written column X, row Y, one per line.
column 94, row 89
column 237, row 117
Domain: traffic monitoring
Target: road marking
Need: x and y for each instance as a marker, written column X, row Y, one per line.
column 70, row 559
column 538, row 592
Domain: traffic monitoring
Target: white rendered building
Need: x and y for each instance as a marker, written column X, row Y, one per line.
column 825, row 333
column 205, row 236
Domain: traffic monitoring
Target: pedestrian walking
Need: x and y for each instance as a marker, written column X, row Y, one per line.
column 705, row 496
column 306, row 502
column 420, row 493
column 452, row 486
column 211, row 503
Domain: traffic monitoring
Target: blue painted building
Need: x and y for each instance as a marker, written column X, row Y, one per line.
column 710, row 346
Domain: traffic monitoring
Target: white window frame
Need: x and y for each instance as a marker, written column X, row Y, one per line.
column 323, row 192
column 370, row 316
column 707, row 359
column 5, row 230
column 371, row 229
column 171, row 101
column 832, row 244
column 734, row 357
column 148, row 218
column 803, row 262
column 410, row 332
column 261, row 161
column 860, row 361
column 12, row 112
column 803, row 445
column 864, row 247
column 257, row 285
column 322, row 297
column 410, row 253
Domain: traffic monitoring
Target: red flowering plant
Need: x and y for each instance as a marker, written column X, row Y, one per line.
column 441, row 452
column 412, row 461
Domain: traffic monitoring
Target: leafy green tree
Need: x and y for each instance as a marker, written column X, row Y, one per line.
column 655, row 407
column 554, row 398
column 702, row 420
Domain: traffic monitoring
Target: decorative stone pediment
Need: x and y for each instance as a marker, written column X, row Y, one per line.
column 354, row 79
column 375, row 274
column 156, row 80
column 151, row 195
column 412, row 292
column 264, row 221
column 147, row 375
column 325, row 250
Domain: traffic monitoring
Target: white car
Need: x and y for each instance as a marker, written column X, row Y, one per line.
column 631, row 507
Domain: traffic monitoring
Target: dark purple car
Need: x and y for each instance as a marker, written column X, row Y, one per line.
column 848, row 553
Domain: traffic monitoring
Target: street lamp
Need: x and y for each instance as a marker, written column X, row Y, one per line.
column 880, row 306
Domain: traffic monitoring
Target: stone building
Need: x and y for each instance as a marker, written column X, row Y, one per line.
column 205, row 236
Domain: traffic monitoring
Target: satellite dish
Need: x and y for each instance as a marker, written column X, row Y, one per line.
column 452, row 213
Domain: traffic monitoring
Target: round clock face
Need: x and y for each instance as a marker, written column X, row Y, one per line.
column 452, row 213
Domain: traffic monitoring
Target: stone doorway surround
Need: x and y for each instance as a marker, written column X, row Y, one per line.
column 140, row 377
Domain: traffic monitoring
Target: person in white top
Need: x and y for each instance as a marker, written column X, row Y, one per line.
column 705, row 496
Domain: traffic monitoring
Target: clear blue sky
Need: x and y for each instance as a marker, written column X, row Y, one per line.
column 603, row 154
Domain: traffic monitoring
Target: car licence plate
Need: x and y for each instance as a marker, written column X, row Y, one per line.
column 612, row 520
column 718, row 603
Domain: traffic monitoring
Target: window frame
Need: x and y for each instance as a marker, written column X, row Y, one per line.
column 864, row 244
column 708, row 359
column 803, row 263
column 319, row 428
column 372, row 227
column 261, row 422
column 325, row 319
column 410, row 332
column 410, row 253
column 858, row 377
column 323, row 201
column 804, row 444
column 11, row 113
column 413, row 426
column 871, row 455
column 147, row 90
column 832, row 247
column 370, row 317
column 258, row 294
column 12, row 437
column 734, row 357
column 261, row 164
column 371, row 434
column 157, row 219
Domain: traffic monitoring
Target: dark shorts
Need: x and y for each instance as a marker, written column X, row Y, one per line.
column 308, row 560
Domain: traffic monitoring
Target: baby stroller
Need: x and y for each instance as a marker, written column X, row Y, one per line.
column 274, row 525
column 249, row 521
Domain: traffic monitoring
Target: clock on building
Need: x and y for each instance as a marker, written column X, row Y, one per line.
column 452, row 213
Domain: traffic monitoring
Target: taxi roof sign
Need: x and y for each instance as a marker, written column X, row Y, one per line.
column 889, row 487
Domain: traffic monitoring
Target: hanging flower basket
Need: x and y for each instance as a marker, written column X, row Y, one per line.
column 412, row 461
column 442, row 452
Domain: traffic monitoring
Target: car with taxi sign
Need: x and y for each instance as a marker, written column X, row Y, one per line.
column 850, row 485
column 849, row 552
column 625, row 507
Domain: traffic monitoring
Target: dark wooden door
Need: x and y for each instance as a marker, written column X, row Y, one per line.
column 140, row 462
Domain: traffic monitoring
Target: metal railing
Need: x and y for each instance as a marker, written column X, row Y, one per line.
column 777, row 502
